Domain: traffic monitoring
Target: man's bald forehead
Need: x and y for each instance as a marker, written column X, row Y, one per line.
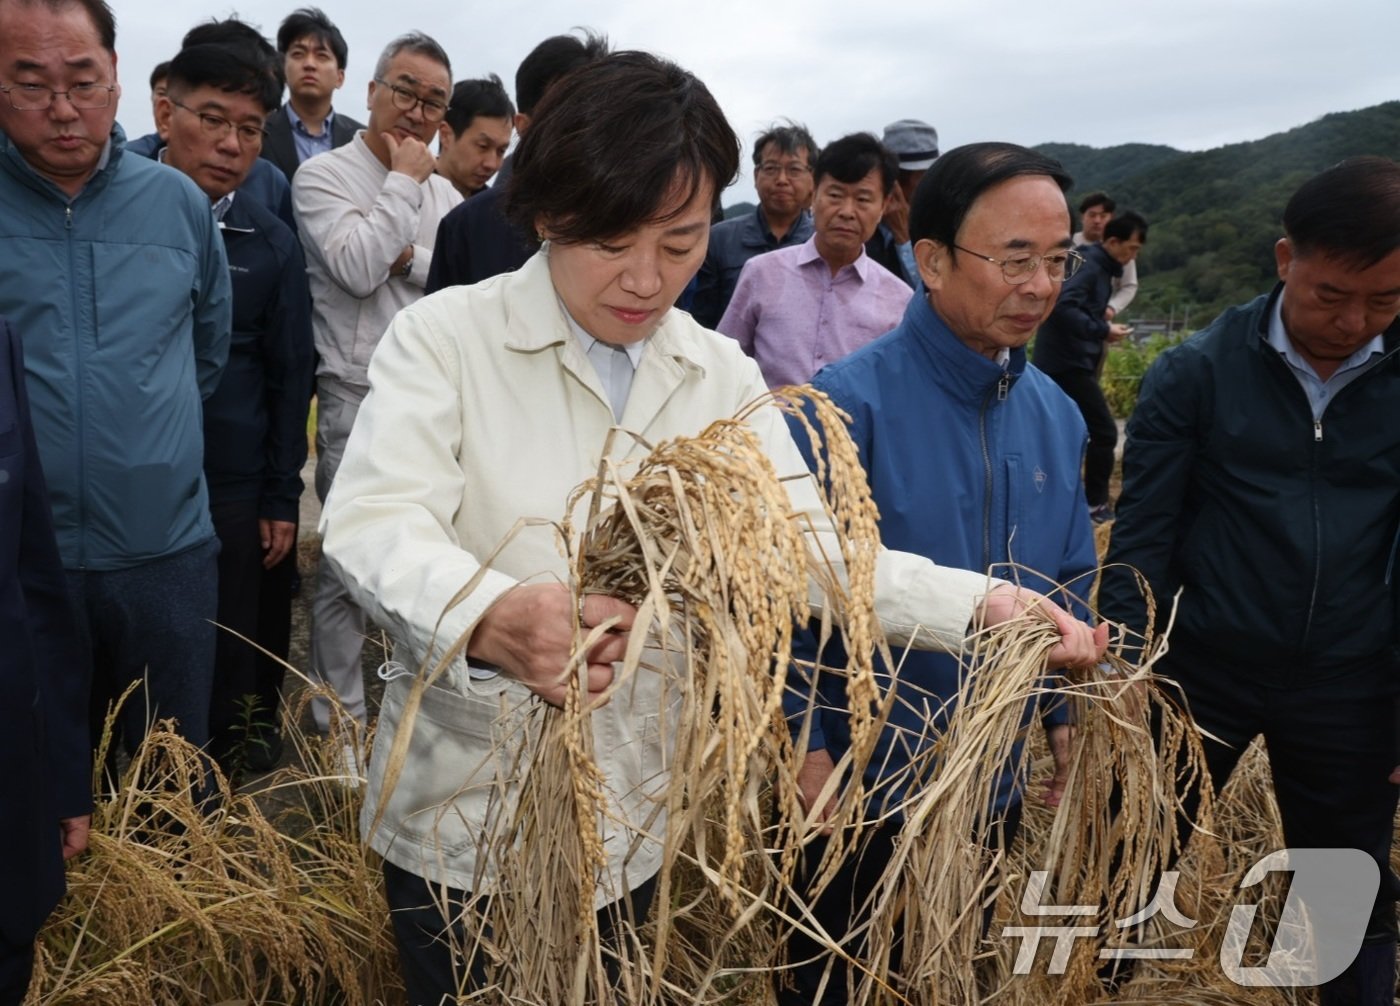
column 104, row 23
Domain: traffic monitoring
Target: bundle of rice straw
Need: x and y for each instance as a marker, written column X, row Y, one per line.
column 703, row 540
column 179, row 900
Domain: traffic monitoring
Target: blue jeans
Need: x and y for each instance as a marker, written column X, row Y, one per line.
column 153, row 621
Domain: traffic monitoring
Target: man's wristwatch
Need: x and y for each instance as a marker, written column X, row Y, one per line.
column 406, row 269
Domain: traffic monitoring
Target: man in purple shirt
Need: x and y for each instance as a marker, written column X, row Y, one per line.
column 797, row 309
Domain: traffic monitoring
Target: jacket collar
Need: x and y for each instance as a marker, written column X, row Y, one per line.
column 958, row 371
column 757, row 234
column 1099, row 254
column 536, row 322
column 1265, row 308
column 808, row 254
column 14, row 162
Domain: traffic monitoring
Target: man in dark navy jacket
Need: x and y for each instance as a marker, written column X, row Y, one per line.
column 255, row 422
column 1261, row 489
column 45, row 791
column 1071, row 344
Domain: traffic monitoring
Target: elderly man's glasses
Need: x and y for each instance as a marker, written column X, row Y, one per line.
column 217, row 127
column 405, row 101
column 1018, row 269
column 37, row 97
column 771, row 169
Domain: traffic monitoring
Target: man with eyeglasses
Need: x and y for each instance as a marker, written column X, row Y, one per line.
column 783, row 158
column 211, row 121
column 115, row 274
column 973, row 458
column 368, row 214
column 263, row 183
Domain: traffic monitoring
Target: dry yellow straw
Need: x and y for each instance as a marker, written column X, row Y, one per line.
column 704, row 541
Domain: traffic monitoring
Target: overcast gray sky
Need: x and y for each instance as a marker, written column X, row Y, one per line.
column 1193, row 74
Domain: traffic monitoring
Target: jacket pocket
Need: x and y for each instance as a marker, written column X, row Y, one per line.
column 465, row 759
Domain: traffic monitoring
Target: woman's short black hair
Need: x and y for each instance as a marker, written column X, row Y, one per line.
column 606, row 148
column 952, row 185
column 1351, row 212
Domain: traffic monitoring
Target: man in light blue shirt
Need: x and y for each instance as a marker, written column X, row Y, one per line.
column 314, row 54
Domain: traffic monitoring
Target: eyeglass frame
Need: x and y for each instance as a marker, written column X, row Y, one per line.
column 1035, row 263
column 54, row 93
column 229, row 126
column 433, row 109
column 772, row 169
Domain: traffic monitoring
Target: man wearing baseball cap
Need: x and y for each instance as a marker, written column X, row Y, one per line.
column 914, row 144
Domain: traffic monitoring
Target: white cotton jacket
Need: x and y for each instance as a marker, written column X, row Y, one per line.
column 483, row 410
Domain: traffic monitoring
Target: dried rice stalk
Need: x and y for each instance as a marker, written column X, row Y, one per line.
column 175, row 902
column 703, row 541
column 1096, row 853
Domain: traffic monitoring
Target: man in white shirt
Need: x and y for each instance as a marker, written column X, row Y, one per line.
column 368, row 213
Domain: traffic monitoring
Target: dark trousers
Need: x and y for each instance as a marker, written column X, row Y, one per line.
column 16, row 967
column 1331, row 746
column 274, row 633
column 844, row 906
column 235, row 658
column 427, row 943
column 153, row 621
column 1083, row 387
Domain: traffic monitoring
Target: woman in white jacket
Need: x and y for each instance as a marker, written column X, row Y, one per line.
column 490, row 403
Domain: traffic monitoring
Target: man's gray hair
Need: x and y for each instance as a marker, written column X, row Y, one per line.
column 416, row 42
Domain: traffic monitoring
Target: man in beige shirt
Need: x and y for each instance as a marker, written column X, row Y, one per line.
column 367, row 213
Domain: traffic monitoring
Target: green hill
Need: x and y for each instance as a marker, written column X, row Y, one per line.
column 1215, row 214
column 1108, row 166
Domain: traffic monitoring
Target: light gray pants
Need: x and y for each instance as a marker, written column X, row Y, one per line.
column 337, row 624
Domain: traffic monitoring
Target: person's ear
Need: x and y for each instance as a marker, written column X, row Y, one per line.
column 165, row 109
column 1284, row 255
column 932, row 259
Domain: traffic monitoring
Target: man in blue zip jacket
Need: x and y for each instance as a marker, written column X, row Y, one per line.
column 115, row 273
column 1261, row 479
column 221, row 88
column 973, row 459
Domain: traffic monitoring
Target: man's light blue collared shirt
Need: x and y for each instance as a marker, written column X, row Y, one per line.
column 307, row 145
column 1320, row 393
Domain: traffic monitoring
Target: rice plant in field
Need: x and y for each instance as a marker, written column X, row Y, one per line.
column 192, row 892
